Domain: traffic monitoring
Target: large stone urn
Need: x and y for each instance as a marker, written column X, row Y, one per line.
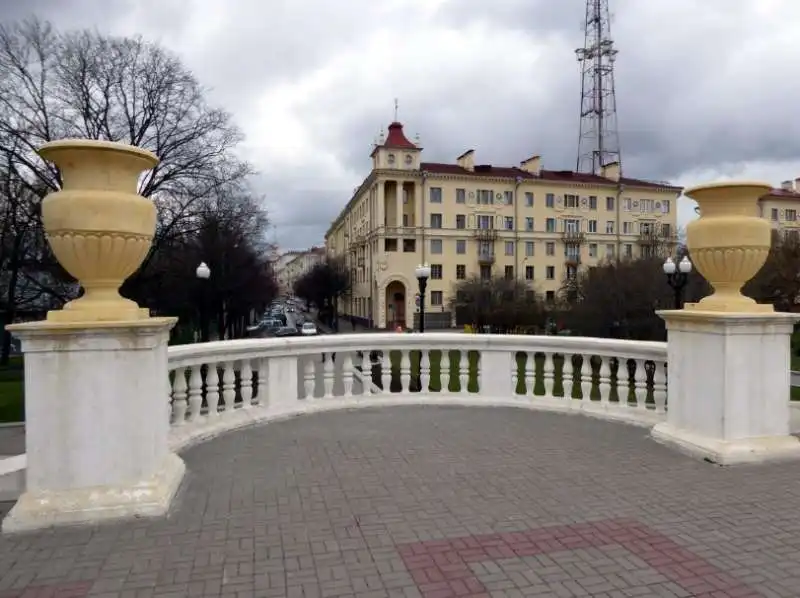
column 99, row 227
column 729, row 243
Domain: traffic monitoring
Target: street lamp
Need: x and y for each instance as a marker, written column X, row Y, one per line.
column 677, row 277
column 423, row 273
column 203, row 273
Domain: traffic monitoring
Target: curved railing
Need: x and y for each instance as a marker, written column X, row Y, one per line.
column 224, row 385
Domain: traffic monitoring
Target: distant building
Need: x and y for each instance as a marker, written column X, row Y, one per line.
column 467, row 219
column 294, row 264
column 780, row 207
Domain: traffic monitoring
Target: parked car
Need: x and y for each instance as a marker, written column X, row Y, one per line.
column 308, row 329
column 285, row 331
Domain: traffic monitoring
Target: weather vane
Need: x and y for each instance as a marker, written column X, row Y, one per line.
column 395, row 109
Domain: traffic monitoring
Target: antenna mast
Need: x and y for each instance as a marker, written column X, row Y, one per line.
column 598, row 137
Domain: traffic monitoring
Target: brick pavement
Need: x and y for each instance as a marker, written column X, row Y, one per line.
column 431, row 502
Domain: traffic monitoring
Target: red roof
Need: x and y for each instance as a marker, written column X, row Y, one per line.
column 565, row 176
column 783, row 194
column 396, row 138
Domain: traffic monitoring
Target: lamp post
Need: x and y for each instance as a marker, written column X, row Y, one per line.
column 423, row 273
column 203, row 273
column 677, row 277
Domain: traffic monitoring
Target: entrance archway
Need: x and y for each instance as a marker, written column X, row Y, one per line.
column 395, row 304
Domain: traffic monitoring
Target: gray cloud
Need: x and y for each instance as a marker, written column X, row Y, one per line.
column 701, row 84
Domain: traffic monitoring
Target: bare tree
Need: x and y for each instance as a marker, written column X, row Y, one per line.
column 323, row 285
column 778, row 282
column 502, row 304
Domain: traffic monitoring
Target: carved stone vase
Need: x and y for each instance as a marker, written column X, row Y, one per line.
column 729, row 243
column 99, row 227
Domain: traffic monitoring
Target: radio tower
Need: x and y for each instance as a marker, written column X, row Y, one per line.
column 598, row 138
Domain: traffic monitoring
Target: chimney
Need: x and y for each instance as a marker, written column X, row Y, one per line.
column 610, row 171
column 787, row 185
column 532, row 165
column 796, row 185
column 467, row 160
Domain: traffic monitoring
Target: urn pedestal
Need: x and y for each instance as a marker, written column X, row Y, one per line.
column 96, row 372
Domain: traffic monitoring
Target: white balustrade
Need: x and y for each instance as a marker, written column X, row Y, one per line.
column 222, row 385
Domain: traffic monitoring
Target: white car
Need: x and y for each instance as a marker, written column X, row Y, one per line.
column 308, row 329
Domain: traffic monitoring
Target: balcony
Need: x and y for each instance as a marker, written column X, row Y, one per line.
column 398, row 231
column 656, row 238
column 486, row 258
column 485, row 234
column 572, row 237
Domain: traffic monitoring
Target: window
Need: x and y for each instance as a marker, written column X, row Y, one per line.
column 627, row 228
column 610, row 204
column 592, row 226
column 461, row 196
column 572, row 225
column 509, row 247
column 508, row 197
column 647, row 228
column 549, row 200
column 436, row 271
column 529, row 224
column 551, row 272
column 436, row 246
column 592, row 249
column 508, row 272
column 609, row 250
column 550, row 225
column 409, row 245
column 485, row 197
column 485, row 222
column 529, row 248
column 461, row 272
column 461, row 246
column 666, row 230
column 436, row 221
column 647, row 206
column 550, row 296
column 774, row 213
column 592, row 202
column 529, row 199
column 461, row 221
column 436, row 297
column 570, row 201
column 405, row 219
column 550, row 248
column 508, row 223
column 628, row 250
column 626, row 204
column 791, row 215
column 390, row 244
column 610, row 227
column 665, row 206
column 528, row 272
column 436, row 194
column 486, row 272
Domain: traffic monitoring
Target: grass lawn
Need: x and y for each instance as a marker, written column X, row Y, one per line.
column 12, row 403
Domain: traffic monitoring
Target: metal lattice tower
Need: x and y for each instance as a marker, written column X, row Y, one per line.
column 598, row 138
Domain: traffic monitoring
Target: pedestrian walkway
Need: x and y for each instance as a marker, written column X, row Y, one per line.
column 424, row 502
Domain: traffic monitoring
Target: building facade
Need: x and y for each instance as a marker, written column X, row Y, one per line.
column 781, row 205
column 292, row 265
column 467, row 219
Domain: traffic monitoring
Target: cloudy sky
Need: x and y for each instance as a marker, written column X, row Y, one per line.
column 706, row 89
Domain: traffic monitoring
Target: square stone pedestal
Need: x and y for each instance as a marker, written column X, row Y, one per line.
column 96, row 423
column 728, row 386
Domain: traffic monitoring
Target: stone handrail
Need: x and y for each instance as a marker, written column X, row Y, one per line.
column 223, row 385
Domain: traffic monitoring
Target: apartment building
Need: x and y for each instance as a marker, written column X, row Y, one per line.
column 780, row 207
column 294, row 264
column 467, row 219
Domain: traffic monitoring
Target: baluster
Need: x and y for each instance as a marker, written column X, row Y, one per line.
column 347, row 373
column 660, row 387
column 195, row 392
column 425, row 371
column 212, row 390
column 309, row 376
column 179, row 397
column 567, row 379
column 374, row 364
column 246, row 384
column 405, row 371
column 530, row 373
column 640, row 384
column 386, row 371
column 463, row 372
column 328, row 376
column 515, row 374
column 447, row 371
column 604, row 383
column 549, row 375
column 229, row 386
column 261, row 395
column 586, row 378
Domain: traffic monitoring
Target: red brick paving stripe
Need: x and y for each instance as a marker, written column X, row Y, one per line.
column 441, row 568
column 78, row 589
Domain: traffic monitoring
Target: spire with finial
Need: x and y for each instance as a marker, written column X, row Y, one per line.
column 396, row 108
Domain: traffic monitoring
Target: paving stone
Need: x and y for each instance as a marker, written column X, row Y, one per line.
column 425, row 502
